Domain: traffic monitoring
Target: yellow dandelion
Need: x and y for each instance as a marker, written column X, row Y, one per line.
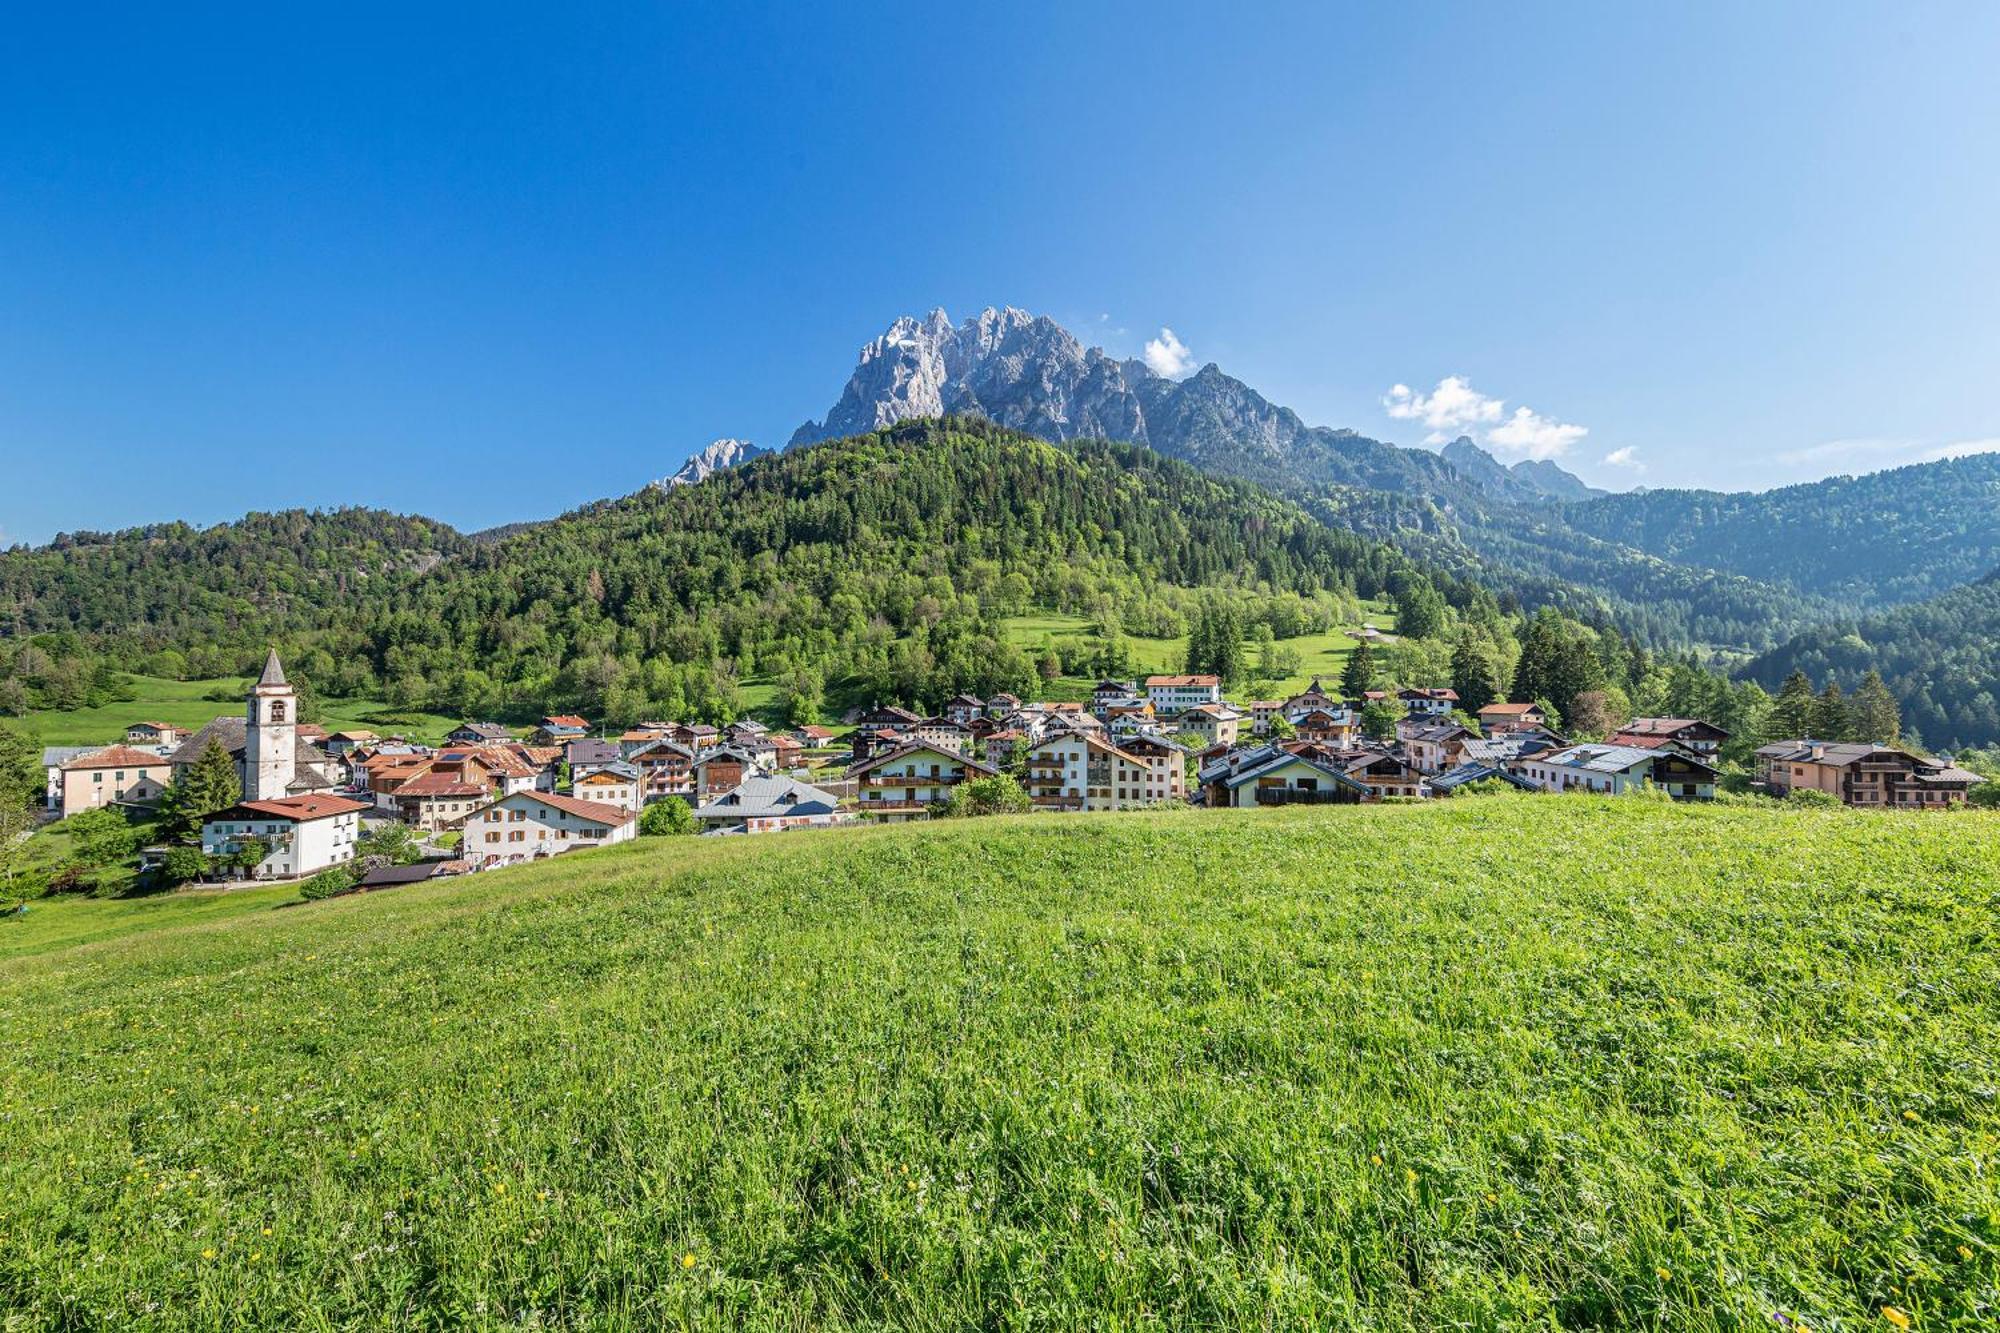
column 255, row 1255
column 542, row 1196
column 1664, row 1273
column 1965, row 1251
column 1375, row 1159
column 1908, row 1115
column 1491, row 1197
column 208, row 1253
column 687, row 1260
column 267, row 1231
column 1895, row 1316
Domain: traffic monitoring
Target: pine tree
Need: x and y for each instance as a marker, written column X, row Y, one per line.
column 1791, row 715
column 1830, row 718
column 1359, row 675
column 1473, row 675
column 1541, row 646
column 1874, row 712
column 210, row 785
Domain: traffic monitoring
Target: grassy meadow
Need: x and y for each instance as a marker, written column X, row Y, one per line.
column 1501, row 1062
column 1323, row 655
column 186, row 703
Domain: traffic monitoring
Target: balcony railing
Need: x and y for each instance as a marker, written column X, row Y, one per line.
column 1294, row 796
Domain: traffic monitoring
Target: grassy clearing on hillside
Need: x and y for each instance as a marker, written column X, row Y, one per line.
column 185, row 703
column 1323, row 655
column 1499, row 1062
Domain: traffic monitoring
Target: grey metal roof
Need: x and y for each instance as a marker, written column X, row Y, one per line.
column 769, row 798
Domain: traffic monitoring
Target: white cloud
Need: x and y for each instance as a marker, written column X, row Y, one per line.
column 1454, row 407
column 1168, row 356
column 1625, row 457
column 1532, row 435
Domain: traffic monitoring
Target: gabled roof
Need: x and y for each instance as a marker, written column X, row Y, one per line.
column 617, row 772
column 565, row 722
column 441, row 786
column 589, row 750
column 594, row 811
column 1509, row 710
column 659, row 747
column 765, row 798
column 486, row 731
column 297, row 809
column 1285, row 759
column 1453, row 778
column 1664, row 727
column 913, row 747
column 116, row 756
column 1171, row 682
column 1605, row 758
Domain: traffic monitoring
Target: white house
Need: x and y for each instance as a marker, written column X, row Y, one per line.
column 1070, row 771
column 1171, row 694
column 305, row 834
column 1617, row 769
column 614, row 784
column 532, row 824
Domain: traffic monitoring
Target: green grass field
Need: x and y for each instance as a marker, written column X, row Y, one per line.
column 1502, row 1062
column 1323, row 655
column 185, row 703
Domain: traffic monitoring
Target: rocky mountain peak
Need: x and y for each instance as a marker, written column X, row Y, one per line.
column 716, row 457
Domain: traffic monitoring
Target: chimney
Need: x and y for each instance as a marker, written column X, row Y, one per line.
column 1819, row 751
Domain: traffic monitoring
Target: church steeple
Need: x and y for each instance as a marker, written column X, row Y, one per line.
column 270, row 735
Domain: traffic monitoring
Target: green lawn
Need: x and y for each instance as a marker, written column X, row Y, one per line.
column 184, row 703
column 1322, row 655
column 1508, row 1062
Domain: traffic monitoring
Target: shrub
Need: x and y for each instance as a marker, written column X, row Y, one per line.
column 328, row 883
column 1813, row 800
column 669, row 817
column 183, row 863
column 997, row 795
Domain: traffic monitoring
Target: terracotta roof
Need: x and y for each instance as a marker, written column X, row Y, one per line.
column 1151, row 681
column 1510, row 710
column 595, row 811
column 117, row 756
column 299, row 809
column 565, row 720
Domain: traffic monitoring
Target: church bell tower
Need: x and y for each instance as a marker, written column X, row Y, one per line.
column 270, row 736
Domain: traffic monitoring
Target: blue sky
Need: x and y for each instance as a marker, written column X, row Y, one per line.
column 486, row 263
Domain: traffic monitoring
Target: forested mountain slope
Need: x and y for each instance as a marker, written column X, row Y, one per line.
column 1940, row 657
column 884, row 558
column 1872, row 541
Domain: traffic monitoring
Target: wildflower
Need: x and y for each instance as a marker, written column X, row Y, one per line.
column 1491, row 1197
column 1895, row 1316
column 687, row 1260
column 208, row 1253
column 541, row 1196
column 1965, row 1251
column 267, row 1231
column 255, row 1255
column 1664, row 1273
column 1907, row 1115
column 1410, row 1175
column 1375, row 1158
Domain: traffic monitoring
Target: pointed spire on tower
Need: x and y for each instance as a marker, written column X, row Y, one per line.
column 274, row 674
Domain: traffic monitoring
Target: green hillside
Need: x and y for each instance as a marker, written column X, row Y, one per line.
column 1499, row 1062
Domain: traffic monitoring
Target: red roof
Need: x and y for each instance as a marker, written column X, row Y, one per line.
column 566, row 720
column 595, row 811
column 1510, row 710
column 299, row 809
column 1151, row 681
column 117, row 756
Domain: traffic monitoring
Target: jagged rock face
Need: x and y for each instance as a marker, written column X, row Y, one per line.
column 715, row 458
column 1029, row 373
column 1530, row 479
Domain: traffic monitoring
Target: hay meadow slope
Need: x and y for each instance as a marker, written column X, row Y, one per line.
column 1501, row 1062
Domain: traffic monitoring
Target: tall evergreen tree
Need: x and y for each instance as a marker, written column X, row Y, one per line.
column 210, row 785
column 1473, row 674
column 1874, row 712
column 1359, row 674
column 1830, row 718
column 1791, row 713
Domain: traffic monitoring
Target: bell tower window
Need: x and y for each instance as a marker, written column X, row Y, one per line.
column 277, row 710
